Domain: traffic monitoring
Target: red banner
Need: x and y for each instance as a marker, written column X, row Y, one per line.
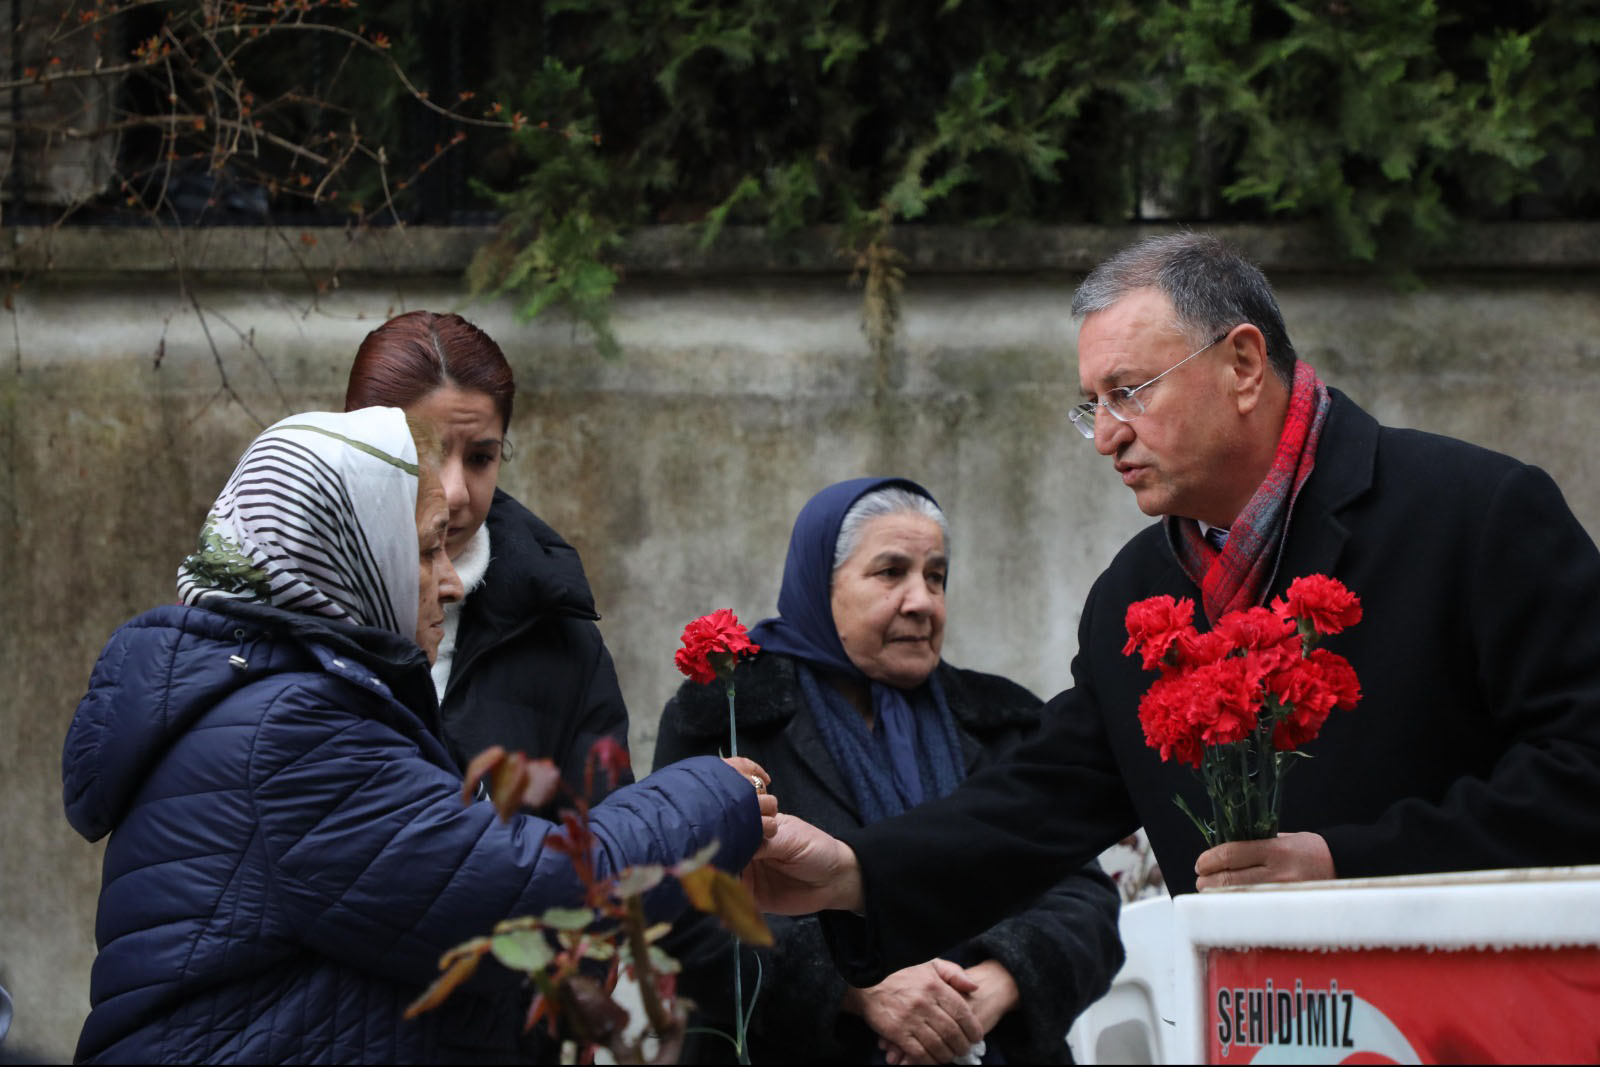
column 1513, row 1005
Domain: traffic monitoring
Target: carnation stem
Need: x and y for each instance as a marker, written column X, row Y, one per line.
column 738, row 985
column 1205, row 829
column 1215, row 792
column 1247, row 793
column 1268, row 768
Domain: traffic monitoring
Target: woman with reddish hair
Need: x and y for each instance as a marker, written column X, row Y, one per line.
column 522, row 664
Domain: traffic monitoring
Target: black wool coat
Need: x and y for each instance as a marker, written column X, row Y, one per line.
column 1062, row 948
column 531, row 671
column 1475, row 745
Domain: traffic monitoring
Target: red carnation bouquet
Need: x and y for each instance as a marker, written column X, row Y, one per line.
column 1238, row 702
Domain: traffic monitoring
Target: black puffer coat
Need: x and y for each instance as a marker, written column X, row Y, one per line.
column 531, row 671
column 1062, row 951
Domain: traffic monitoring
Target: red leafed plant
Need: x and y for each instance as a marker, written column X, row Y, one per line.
column 609, row 930
column 1237, row 703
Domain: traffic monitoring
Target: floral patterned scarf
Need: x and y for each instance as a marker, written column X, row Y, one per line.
column 1239, row 575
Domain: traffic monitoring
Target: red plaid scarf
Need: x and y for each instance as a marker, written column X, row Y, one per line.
column 1239, row 575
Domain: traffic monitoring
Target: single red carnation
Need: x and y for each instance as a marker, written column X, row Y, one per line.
column 1262, row 664
column 1322, row 601
column 711, row 645
column 1302, row 685
column 1193, row 649
column 1295, row 730
column 1306, row 700
column 1154, row 625
column 1164, row 714
column 1309, row 690
column 1224, row 701
column 1258, row 628
column 1339, row 677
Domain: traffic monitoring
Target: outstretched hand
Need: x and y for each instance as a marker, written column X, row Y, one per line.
column 1299, row 857
column 760, row 780
column 799, row 869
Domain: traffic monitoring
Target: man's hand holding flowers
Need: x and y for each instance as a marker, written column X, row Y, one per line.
column 1297, row 857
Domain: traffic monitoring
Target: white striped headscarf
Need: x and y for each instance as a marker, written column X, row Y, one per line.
column 319, row 518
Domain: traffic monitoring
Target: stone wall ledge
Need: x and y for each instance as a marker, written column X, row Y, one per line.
column 324, row 253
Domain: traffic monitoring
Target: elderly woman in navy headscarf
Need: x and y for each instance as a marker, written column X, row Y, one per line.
column 857, row 718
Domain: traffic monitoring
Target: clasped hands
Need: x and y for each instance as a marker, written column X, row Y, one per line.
column 934, row 1012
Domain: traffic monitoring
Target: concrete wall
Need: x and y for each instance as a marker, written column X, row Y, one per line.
column 676, row 470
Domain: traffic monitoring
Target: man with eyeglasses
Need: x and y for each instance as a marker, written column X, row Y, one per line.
column 1476, row 743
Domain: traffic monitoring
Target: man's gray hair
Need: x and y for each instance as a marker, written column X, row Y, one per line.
column 890, row 500
column 1211, row 285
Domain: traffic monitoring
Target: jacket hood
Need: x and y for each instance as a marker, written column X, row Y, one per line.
column 162, row 671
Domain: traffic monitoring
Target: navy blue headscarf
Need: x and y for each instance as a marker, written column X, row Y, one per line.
column 913, row 736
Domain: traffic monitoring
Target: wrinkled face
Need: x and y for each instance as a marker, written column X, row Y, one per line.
column 437, row 582
column 888, row 599
column 1177, row 455
column 471, row 432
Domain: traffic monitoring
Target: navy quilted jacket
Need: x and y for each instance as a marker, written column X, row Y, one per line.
column 290, row 854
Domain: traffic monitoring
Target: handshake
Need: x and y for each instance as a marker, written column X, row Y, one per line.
column 798, row 869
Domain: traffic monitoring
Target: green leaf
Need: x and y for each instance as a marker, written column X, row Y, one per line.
column 566, row 918
column 1207, row 831
column 663, row 963
column 1387, row 121
column 522, row 950
column 636, row 880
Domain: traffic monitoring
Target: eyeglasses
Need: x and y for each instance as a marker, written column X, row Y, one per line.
column 1124, row 403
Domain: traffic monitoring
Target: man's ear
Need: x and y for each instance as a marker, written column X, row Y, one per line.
column 1247, row 355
